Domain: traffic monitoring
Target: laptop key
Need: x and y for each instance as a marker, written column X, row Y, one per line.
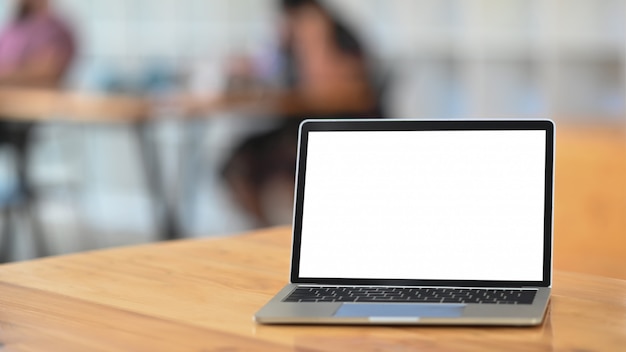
column 452, row 300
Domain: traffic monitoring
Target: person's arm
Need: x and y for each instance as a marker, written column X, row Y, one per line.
column 337, row 97
column 331, row 81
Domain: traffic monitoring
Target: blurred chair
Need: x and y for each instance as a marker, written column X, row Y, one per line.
column 18, row 200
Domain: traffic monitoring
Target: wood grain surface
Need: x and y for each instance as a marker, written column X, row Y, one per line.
column 198, row 295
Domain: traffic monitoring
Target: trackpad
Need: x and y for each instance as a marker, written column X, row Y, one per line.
column 399, row 310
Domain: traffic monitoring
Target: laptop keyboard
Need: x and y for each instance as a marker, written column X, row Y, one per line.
column 410, row 294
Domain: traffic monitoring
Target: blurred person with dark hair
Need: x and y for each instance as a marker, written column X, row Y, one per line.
column 324, row 71
column 36, row 49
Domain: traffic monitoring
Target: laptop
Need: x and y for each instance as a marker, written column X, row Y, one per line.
column 420, row 222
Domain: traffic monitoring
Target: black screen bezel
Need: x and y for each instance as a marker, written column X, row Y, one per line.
column 423, row 125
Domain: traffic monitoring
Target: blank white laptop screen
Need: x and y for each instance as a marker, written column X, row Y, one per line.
column 424, row 205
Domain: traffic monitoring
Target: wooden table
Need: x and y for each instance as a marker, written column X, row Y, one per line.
column 200, row 295
column 30, row 105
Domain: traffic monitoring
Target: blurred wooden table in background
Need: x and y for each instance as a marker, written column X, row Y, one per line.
column 41, row 105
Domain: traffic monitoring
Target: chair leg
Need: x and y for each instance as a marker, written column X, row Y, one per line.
column 8, row 236
column 27, row 191
column 38, row 235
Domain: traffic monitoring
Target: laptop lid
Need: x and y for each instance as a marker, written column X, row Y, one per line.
column 414, row 202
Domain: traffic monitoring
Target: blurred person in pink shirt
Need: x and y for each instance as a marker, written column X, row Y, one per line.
column 36, row 49
column 36, row 46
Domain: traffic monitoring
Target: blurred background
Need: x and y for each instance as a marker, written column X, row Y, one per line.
column 560, row 59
